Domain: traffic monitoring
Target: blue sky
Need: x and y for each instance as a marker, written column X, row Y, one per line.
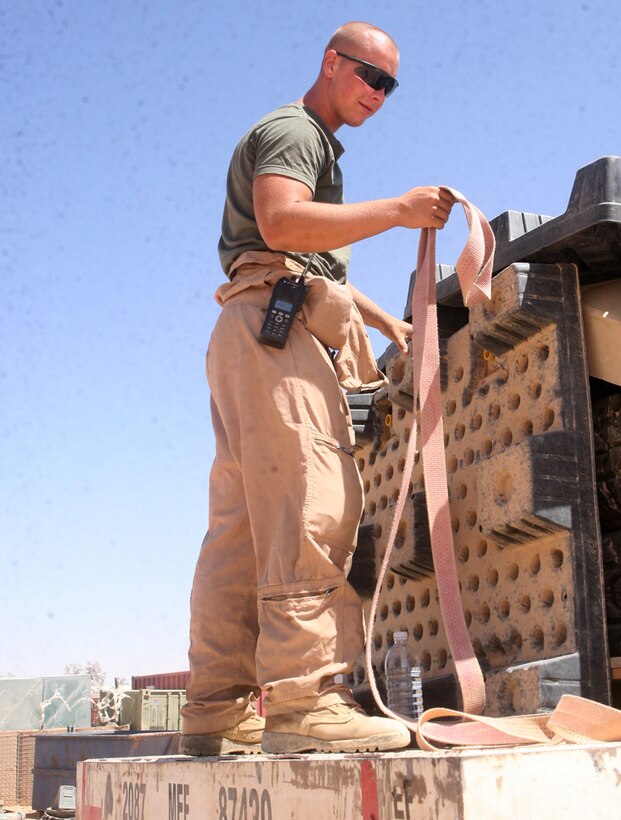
column 118, row 120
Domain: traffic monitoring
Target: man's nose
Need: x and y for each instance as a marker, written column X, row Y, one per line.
column 379, row 95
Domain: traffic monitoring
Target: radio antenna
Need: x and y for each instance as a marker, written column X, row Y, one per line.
column 307, row 268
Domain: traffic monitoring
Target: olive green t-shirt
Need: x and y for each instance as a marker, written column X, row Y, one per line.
column 293, row 142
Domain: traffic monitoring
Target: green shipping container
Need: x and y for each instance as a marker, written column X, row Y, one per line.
column 150, row 710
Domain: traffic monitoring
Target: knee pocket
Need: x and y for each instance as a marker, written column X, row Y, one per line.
column 334, row 501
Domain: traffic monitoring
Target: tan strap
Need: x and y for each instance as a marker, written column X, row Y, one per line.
column 474, row 269
column 574, row 720
column 476, row 730
column 578, row 720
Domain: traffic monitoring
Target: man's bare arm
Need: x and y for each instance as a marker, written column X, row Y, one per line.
column 289, row 220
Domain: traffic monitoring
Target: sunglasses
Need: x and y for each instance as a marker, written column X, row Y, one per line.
column 373, row 76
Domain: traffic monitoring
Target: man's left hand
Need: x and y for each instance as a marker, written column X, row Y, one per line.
column 397, row 331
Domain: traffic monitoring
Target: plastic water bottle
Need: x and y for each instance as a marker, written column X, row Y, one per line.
column 403, row 680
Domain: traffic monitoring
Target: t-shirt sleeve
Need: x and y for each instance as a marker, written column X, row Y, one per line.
column 290, row 147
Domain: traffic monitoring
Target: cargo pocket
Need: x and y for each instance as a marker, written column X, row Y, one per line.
column 307, row 637
column 333, row 506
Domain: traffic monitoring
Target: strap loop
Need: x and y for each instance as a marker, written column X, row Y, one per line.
column 474, row 269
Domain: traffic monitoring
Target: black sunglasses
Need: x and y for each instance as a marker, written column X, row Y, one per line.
column 373, row 76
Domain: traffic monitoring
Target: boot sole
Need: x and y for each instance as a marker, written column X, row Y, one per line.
column 198, row 746
column 284, row 743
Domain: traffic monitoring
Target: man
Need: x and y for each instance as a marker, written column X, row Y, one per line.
column 271, row 607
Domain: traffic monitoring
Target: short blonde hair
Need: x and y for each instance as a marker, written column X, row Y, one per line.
column 352, row 35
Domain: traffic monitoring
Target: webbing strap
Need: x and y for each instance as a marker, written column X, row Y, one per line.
column 575, row 719
column 474, row 270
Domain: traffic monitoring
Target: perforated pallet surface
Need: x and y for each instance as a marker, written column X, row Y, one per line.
column 519, row 457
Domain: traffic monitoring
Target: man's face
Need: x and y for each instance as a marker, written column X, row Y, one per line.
column 354, row 101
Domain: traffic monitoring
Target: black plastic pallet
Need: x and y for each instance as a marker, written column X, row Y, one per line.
column 587, row 234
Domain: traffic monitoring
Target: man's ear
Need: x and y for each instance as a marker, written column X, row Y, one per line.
column 329, row 62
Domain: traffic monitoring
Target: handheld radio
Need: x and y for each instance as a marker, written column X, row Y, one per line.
column 287, row 298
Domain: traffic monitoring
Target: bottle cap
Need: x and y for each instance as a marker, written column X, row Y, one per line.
column 400, row 636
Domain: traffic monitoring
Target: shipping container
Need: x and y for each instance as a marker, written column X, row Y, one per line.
column 162, row 681
column 148, row 710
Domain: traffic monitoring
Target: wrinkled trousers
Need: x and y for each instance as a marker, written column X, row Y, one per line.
column 271, row 608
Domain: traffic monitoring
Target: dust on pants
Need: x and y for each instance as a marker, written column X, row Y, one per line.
column 271, row 607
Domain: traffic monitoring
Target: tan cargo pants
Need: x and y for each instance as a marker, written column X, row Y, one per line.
column 271, row 608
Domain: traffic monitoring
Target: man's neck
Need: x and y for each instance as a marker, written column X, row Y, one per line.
column 316, row 100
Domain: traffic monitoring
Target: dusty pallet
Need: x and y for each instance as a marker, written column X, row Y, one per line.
column 519, row 455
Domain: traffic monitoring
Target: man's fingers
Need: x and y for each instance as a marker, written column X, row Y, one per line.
column 403, row 335
column 445, row 205
column 441, row 214
column 442, row 210
column 447, row 196
column 429, row 207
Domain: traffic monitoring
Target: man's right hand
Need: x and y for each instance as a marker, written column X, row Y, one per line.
column 426, row 207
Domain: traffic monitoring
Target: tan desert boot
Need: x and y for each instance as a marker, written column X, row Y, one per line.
column 341, row 727
column 245, row 738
